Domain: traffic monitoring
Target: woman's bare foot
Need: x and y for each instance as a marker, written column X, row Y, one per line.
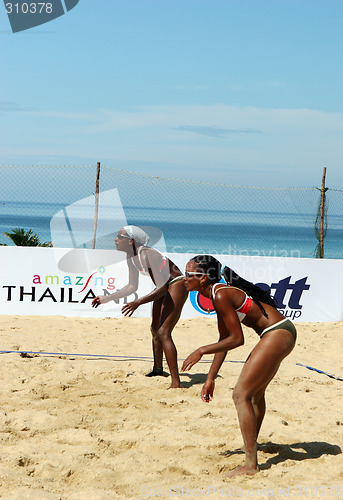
column 175, row 385
column 243, row 469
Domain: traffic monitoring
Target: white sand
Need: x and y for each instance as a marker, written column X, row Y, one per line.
column 97, row 428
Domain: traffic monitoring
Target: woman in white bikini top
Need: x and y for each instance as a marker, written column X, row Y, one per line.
column 169, row 295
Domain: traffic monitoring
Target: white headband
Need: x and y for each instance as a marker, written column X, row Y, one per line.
column 139, row 236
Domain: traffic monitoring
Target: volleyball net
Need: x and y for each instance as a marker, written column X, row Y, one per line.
column 192, row 216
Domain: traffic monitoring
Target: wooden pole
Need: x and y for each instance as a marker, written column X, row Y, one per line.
column 96, row 204
column 321, row 235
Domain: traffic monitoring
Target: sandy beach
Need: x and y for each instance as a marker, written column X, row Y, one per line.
column 79, row 419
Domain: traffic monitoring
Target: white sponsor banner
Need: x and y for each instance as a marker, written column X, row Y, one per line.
column 305, row 289
column 63, row 282
column 57, row 281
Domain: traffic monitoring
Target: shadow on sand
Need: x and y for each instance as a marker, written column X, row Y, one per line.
column 196, row 379
column 296, row 451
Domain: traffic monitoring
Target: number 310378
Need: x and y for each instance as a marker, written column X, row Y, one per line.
column 29, row 8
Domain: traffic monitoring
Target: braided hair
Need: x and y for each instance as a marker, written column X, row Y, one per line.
column 213, row 270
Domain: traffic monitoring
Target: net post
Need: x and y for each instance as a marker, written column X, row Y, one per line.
column 96, row 210
column 321, row 236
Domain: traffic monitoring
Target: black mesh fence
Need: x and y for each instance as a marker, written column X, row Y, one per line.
column 57, row 203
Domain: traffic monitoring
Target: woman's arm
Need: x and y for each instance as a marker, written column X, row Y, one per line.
column 218, row 360
column 152, row 261
column 127, row 290
column 230, row 335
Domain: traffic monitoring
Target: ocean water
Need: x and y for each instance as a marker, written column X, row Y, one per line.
column 190, row 231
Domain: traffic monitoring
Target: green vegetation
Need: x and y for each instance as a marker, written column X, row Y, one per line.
column 22, row 238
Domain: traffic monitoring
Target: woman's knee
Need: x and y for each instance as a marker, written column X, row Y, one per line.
column 153, row 330
column 163, row 333
column 239, row 395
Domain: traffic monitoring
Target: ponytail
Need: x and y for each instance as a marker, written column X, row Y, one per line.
column 255, row 292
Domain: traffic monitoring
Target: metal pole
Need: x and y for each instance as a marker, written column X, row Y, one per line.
column 321, row 236
column 96, row 204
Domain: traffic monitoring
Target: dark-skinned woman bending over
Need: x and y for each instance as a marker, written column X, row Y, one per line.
column 168, row 296
column 240, row 301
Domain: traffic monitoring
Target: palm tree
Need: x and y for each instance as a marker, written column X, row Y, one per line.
column 23, row 238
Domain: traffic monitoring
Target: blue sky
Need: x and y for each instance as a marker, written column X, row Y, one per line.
column 244, row 92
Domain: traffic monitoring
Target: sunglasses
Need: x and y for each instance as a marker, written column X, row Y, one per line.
column 189, row 274
column 122, row 236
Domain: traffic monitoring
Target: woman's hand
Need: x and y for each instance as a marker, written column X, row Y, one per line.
column 193, row 358
column 130, row 308
column 207, row 391
column 100, row 299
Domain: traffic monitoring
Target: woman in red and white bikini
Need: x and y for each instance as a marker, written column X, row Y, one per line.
column 239, row 301
column 168, row 296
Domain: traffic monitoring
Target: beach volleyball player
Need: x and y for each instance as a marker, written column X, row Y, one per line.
column 239, row 301
column 168, row 296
